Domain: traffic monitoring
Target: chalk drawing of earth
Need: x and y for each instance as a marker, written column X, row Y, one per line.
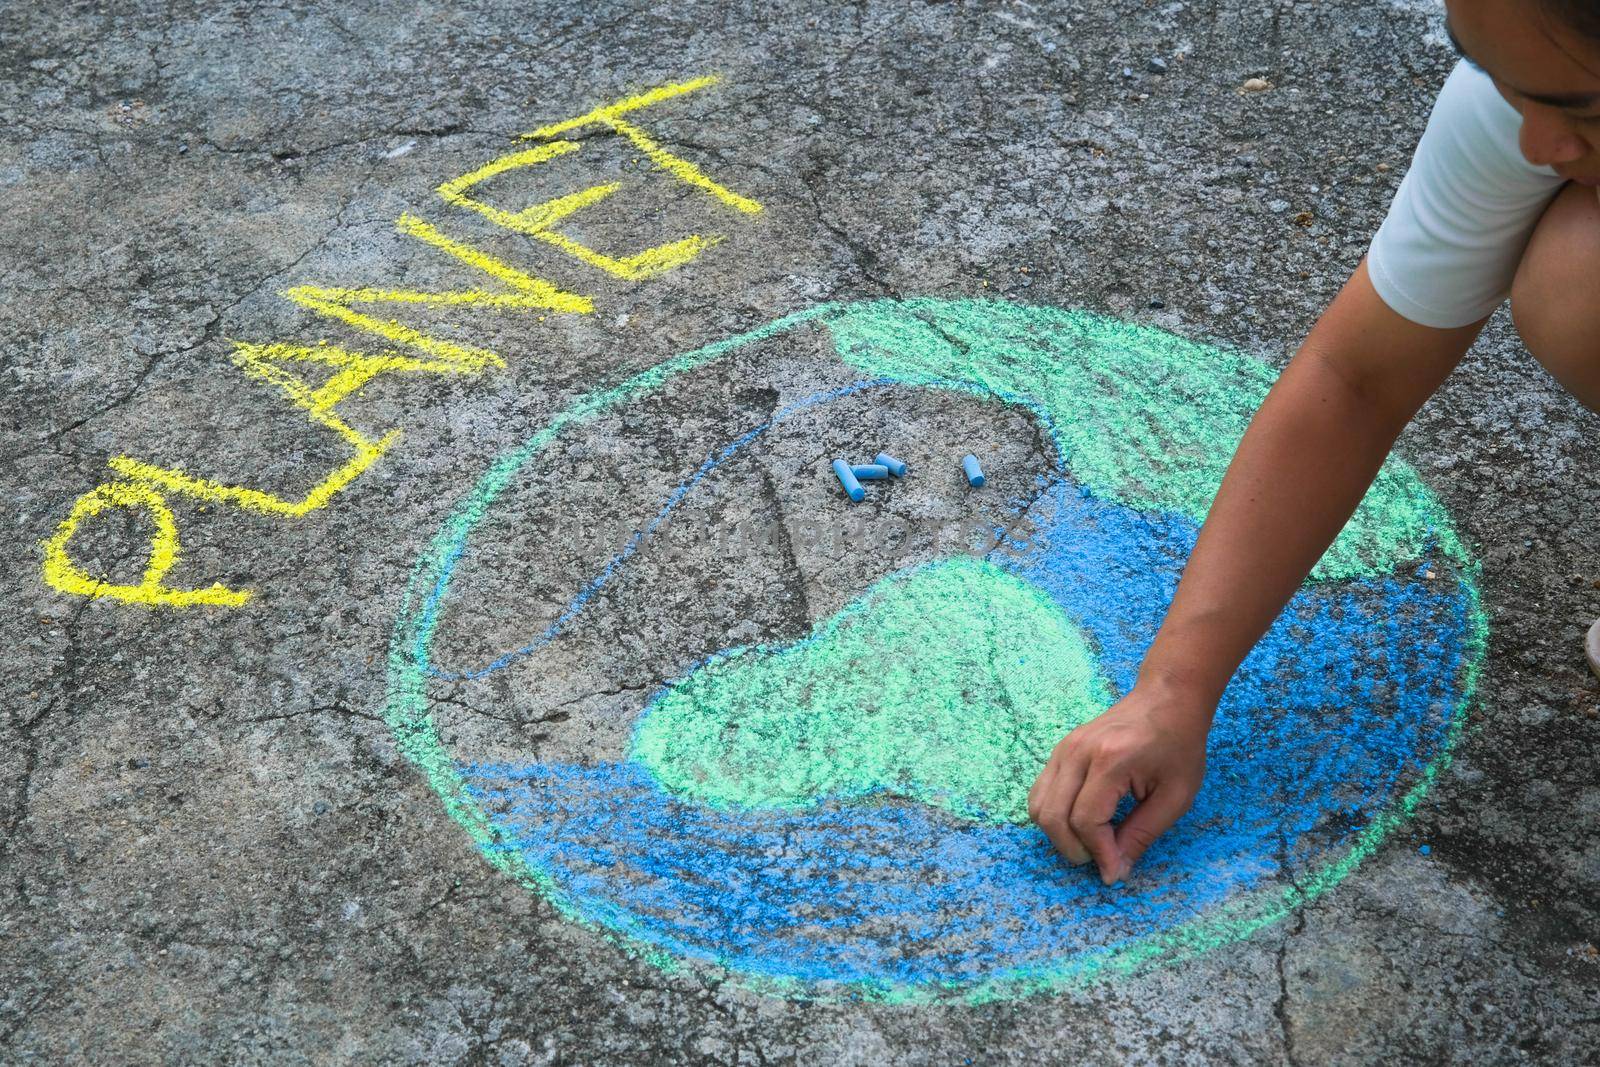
column 843, row 814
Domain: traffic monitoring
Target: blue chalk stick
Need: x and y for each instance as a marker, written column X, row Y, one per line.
column 896, row 468
column 870, row 472
column 847, row 479
column 1424, row 849
column 969, row 463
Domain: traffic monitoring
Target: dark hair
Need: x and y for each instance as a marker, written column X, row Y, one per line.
column 1581, row 16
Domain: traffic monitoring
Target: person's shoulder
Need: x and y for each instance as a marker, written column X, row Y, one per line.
column 1448, row 247
column 1477, row 120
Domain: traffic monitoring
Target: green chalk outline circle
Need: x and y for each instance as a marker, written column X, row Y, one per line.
column 406, row 712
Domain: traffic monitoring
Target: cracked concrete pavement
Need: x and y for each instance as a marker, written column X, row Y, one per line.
column 213, row 850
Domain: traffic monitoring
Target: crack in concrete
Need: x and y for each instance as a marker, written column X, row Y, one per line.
column 865, row 259
column 289, row 153
column 63, row 681
column 209, row 332
column 1280, row 1007
column 320, row 709
column 211, row 328
column 552, row 714
column 798, row 582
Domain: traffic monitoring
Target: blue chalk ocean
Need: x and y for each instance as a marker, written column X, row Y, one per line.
column 1352, row 691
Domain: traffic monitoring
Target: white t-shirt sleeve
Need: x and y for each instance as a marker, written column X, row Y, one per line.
column 1456, row 229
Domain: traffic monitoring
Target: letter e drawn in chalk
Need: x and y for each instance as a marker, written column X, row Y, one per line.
column 540, row 220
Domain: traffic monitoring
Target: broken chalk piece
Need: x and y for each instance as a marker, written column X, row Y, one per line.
column 969, row 463
column 847, row 479
column 896, row 468
column 869, row 472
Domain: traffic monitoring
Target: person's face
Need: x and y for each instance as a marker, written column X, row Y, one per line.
column 1548, row 72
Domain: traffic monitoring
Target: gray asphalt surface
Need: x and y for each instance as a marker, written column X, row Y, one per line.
column 215, row 850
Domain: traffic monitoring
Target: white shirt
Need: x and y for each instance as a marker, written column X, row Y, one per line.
column 1449, row 247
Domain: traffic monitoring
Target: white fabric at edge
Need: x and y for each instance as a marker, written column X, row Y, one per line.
column 1457, row 226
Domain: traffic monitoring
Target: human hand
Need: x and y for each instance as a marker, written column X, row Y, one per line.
column 1151, row 743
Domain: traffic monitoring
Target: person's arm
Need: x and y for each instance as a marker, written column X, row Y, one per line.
column 1303, row 465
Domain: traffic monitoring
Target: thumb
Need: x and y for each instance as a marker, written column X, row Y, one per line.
column 1151, row 818
column 1091, row 821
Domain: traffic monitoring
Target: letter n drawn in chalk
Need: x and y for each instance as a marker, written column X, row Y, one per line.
column 528, row 293
column 540, row 220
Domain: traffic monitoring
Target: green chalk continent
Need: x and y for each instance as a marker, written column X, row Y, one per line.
column 948, row 683
column 1142, row 417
